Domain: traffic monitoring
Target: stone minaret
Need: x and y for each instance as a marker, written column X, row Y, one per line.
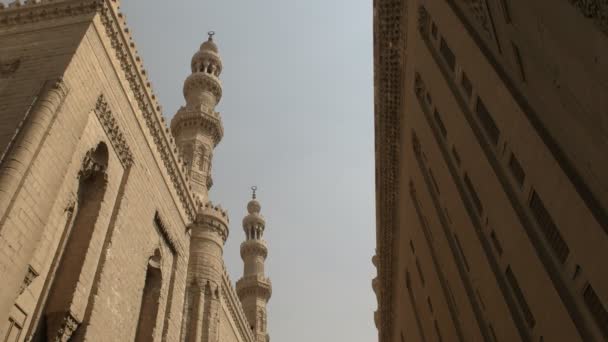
column 254, row 289
column 197, row 129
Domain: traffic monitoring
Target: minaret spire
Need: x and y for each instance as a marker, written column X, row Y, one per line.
column 254, row 288
column 197, row 127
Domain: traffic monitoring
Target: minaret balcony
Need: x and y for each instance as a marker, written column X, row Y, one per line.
column 212, row 218
column 255, row 285
column 207, row 123
column 254, row 248
column 199, row 82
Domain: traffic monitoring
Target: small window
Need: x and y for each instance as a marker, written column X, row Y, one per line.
column 456, row 155
column 439, row 338
column 447, row 54
column 428, row 98
column 597, row 309
column 461, row 252
column 506, row 11
column 483, row 305
column 516, row 170
column 440, row 124
column 434, row 30
column 466, row 85
column 428, row 300
column 496, row 243
column 434, row 181
column 474, row 196
column 519, row 61
column 493, row 334
column 487, row 122
column 548, row 228
column 412, row 246
column 519, row 296
column 420, row 272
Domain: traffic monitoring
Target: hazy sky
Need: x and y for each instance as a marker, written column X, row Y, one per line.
column 298, row 120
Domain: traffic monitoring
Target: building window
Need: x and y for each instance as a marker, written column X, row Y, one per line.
column 447, row 54
column 420, row 272
column 487, row 122
column 493, row 334
column 412, row 247
column 435, row 185
column 519, row 296
column 516, row 170
column 150, row 300
column 461, row 252
column 439, row 338
column 466, row 85
column 456, row 155
column 506, row 11
column 596, row 308
column 440, row 124
column 474, row 196
column 519, row 61
column 548, row 228
column 496, row 243
column 434, row 30
column 428, row 300
column 429, row 99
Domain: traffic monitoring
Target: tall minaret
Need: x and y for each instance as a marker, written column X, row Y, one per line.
column 254, row 289
column 197, row 127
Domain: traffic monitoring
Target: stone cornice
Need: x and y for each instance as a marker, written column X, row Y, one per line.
column 131, row 64
column 236, row 310
column 18, row 13
column 389, row 46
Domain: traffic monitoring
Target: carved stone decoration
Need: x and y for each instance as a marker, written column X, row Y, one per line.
column 390, row 24
column 419, row 87
column 66, row 329
column 91, row 166
column 110, row 126
column 9, row 67
column 29, row 277
column 597, row 10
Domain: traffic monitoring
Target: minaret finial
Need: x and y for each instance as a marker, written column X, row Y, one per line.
column 253, row 190
column 211, row 34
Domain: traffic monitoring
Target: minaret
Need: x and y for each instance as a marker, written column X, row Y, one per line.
column 254, row 289
column 197, row 127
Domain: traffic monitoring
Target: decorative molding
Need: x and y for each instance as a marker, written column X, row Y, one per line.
column 29, row 277
column 32, row 11
column 596, row 10
column 390, row 22
column 68, row 326
column 479, row 10
column 110, row 126
column 91, row 166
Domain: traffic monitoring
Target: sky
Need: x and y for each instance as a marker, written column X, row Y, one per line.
column 298, row 118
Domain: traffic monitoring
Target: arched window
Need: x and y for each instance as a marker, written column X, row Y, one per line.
column 58, row 321
column 150, row 300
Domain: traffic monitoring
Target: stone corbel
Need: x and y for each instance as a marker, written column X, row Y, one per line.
column 90, row 166
column 68, row 326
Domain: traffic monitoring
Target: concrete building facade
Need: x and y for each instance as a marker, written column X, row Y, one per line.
column 106, row 229
column 491, row 140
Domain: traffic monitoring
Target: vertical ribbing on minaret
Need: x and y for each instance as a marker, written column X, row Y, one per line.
column 254, row 288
